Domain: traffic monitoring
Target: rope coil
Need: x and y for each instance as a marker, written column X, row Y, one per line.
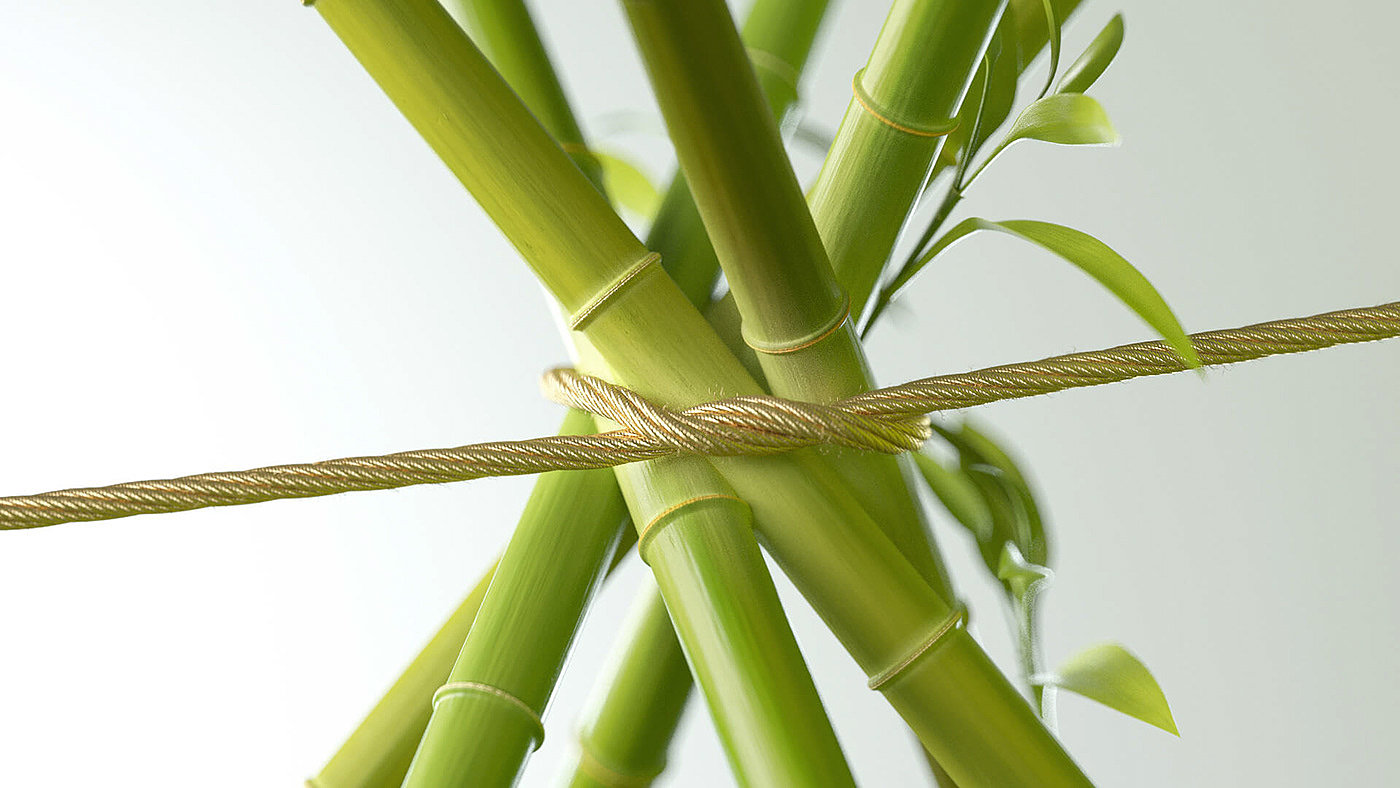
column 889, row 420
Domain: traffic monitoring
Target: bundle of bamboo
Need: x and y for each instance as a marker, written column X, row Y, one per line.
column 805, row 275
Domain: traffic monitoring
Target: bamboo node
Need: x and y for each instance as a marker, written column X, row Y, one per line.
column 452, row 688
column 950, row 624
column 940, row 129
column 668, row 514
column 801, row 343
column 591, row 765
column 583, row 314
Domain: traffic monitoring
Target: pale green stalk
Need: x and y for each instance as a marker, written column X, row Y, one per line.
column 745, row 657
column 624, row 739
column 486, row 718
column 906, row 102
column 655, row 342
column 794, row 312
column 377, row 753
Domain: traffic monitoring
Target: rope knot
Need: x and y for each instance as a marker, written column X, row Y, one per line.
column 736, row 425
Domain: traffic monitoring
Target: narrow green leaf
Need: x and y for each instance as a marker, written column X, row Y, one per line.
column 1090, row 66
column 958, row 494
column 976, row 447
column 1000, row 96
column 1111, row 675
column 628, row 185
column 1091, row 255
column 1061, row 119
column 1052, row 24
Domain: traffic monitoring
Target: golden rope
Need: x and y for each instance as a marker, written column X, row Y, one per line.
column 890, row 420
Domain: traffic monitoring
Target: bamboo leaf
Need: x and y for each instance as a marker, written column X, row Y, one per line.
column 1113, row 676
column 1089, row 66
column 1000, row 94
column 1061, row 119
column 1052, row 24
column 1089, row 254
column 958, row 494
column 628, row 185
column 1028, row 527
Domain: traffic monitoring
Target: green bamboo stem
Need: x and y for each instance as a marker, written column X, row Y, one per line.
column 655, row 342
column 905, row 103
column 726, row 655
column 377, row 753
column 623, row 742
column 794, row 312
column 778, row 36
column 695, row 533
column 381, row 747
column 486, row 718
column 506, row 35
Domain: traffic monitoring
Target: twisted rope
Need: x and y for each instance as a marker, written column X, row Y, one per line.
column 888, row 420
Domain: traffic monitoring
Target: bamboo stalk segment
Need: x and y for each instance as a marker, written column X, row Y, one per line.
column 904, row 104
column 506, row 670
column 377, row 753
column 694, row 533
column 624, row 739
column 793, row 311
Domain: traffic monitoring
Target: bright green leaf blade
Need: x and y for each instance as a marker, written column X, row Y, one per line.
column 627, row 185
column 1090, row 255
column 1061, row 119
column 1084, row 71
column 958, row 494
column 1052, row 24
column 1096, row 259
column 1111, row 675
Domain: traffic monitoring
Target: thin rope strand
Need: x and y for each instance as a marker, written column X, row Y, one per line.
column 889, row 420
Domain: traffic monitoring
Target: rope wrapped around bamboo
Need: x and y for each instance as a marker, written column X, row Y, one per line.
column 890, row 420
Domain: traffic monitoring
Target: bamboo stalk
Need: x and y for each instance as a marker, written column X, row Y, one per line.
column 745, row 642
column 656, row 343
column 503, row 677
column 778, row 37
column 377, row 753
column 623, row 742
column 555, row 624
column 794, row 312
column 695, row 534
column 904, row 105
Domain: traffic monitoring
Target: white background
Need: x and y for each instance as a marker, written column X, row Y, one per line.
column 221, row 247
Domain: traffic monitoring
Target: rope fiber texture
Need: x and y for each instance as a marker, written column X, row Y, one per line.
column 890, row 420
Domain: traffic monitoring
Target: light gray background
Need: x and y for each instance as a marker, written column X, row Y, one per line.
column 222, row 248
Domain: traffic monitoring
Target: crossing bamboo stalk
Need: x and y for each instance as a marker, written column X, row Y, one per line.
column 486, row 718
column 625, row 736
column 727, row 593
column 655, row 341
column 904, row 105
column 793, row 311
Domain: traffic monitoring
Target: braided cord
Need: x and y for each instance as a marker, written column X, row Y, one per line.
column 889, row 420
